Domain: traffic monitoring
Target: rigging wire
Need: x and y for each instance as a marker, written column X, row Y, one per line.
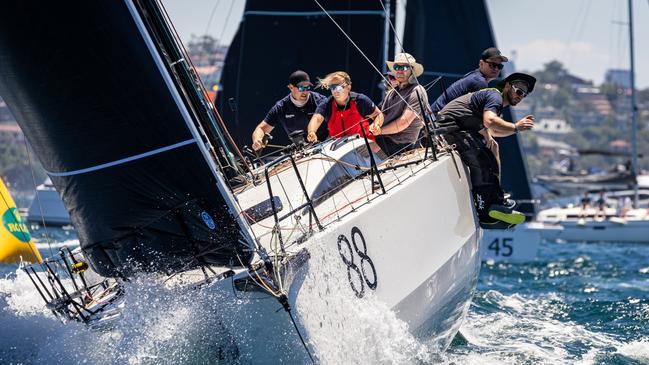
column 38, row 199
column 207, row 28
column 209, row 21
column 225, row 24
column 368, row 60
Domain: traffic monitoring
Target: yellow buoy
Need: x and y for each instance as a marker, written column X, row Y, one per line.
column 15, row 240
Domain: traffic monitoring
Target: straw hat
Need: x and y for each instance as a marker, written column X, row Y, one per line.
column 406, row 58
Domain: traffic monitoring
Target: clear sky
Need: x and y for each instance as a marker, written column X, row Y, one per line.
column 587, row 36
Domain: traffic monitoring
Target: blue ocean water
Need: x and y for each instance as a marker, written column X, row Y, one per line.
column 577, row 303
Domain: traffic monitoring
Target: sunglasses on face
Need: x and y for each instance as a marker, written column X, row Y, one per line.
column 303, row 88
column 336, row 87
column 520, row 92
column 401, row 67
column 494, row 65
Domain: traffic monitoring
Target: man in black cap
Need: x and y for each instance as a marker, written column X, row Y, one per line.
column 478, row 116
column 293, row 112
column 489, row 66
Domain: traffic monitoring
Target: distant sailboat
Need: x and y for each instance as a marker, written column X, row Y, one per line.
column 604, row 224
column 153, row 182
column 47, row 207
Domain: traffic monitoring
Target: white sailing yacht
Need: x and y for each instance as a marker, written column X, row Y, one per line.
column 152, row 182
column 609, row 224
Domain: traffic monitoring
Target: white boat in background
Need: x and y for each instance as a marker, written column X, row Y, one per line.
column 593, row 226
column 519, row 244
column 47, row 207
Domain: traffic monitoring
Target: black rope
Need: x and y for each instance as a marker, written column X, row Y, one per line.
column 284, row 301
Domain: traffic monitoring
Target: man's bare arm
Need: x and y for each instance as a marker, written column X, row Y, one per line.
column 498, row 127
column 258, row 134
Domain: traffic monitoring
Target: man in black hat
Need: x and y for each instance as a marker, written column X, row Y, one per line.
column 292, row 112
column 478, row 116
column 489, row 66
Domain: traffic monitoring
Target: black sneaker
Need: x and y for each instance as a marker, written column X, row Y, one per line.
column 505, row 214
column 496, row 225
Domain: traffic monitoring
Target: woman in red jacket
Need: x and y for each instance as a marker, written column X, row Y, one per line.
column 346, row 112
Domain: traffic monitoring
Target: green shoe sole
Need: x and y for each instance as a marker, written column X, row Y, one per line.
column 512, row 218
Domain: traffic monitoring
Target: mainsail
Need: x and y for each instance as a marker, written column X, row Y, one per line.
column 107, row 102
column 277, row 37
column 447, row 37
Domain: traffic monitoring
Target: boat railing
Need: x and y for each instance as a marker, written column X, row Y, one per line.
column 432, row 136
column 70, row 288
column 308, row 203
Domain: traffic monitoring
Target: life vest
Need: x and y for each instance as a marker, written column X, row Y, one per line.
column 348, row 121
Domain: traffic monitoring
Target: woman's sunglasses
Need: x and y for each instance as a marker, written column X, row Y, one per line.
column 336, row 87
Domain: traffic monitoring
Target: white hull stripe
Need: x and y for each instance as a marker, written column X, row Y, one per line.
column 123, row 160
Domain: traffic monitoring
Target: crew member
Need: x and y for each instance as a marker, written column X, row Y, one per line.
column 474, row 113
column 292, row 112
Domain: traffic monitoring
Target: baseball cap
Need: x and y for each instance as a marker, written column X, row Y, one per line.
column 493, row 54
column 299, row 77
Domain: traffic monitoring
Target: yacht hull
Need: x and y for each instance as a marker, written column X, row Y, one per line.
column 411, row 255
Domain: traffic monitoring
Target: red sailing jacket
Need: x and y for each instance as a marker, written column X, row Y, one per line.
column 347, row 122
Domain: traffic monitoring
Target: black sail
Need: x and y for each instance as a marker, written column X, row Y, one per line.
column 277, row 37
column 100, row 105
column 447, row 37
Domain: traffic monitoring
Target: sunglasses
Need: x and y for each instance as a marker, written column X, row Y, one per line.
column 303, row 88
column 495, row 65
column 520, row 92
column 401, row 67
column 336, row 87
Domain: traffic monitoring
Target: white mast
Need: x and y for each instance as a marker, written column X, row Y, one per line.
column 634, row 108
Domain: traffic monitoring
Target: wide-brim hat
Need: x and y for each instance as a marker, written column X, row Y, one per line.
column 406, row 58
column 518, row 76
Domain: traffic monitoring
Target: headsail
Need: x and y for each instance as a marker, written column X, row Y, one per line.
column 277, row 37
column 94, row 91
column 448, row 38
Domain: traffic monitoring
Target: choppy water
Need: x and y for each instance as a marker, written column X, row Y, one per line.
column 577, row 303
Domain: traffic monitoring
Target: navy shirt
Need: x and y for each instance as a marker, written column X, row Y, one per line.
column 364, row 105
column 473, row 81
column 293, row 117
column 467, row 110
column 487, row 99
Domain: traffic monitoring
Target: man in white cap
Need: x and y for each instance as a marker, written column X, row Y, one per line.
column 292, row 112
column 403, row 120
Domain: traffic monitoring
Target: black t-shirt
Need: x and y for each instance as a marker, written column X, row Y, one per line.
column 364, row 105
column 291, row 116
column 467, row 110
